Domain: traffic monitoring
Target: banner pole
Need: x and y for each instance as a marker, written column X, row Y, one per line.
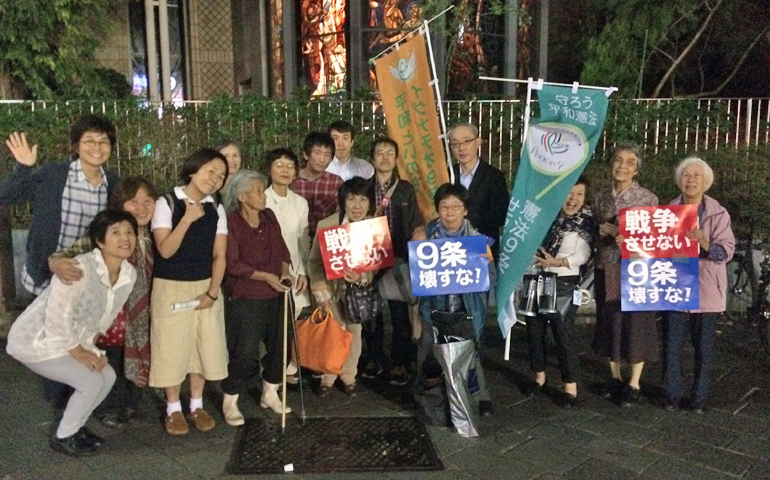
column 395, row 45
column 608, row 90
column 438, row 102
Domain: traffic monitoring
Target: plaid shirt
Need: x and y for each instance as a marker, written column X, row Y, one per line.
column 80, row 203
column 321, row 196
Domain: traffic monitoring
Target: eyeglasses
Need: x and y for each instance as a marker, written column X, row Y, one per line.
column 694, row 176
column 462, row 143
column 451, row 208
column 287, row 166
column 386, row 153
column 94, row 143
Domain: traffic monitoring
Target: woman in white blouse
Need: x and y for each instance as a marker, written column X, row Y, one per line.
column 291, row 211
column 54, row 337
column 566, row 248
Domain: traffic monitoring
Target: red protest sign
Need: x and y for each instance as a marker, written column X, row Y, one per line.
column 362, row 246
column 658, row 232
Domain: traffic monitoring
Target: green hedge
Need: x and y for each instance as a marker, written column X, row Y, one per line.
column 155, row 145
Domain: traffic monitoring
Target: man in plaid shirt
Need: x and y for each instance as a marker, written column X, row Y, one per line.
column 314, row 183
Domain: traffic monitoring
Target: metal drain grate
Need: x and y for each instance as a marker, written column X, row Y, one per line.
column 334, row 445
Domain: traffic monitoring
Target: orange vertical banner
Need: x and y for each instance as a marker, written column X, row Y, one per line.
column 403, row 76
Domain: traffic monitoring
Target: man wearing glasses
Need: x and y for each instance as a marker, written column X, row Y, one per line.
column 487, row 193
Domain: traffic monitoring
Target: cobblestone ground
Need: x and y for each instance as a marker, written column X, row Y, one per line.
column 525, row 438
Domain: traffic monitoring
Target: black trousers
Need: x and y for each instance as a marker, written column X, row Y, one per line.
column 566, row 352
column 703, row 333
column 248, row 323
column 124, row 394
column 402, row 350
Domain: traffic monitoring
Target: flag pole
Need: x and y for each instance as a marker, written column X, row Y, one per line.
column 437, row 91
column 607, row 90
column 405, row 37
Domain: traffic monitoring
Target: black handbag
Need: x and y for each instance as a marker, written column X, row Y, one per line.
column 362, row 303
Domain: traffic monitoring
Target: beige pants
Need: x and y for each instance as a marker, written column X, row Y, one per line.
column 350, row 367
column 190, row 341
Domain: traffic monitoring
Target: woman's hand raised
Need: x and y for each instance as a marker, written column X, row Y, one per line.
column 17, row 144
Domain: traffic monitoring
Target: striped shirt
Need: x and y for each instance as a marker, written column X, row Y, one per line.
column 81, row 201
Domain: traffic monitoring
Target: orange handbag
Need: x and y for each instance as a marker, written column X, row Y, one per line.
column 323, row 343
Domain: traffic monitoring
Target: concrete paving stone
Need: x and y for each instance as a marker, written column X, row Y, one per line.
column 145, row 467
column 71, row 469
column 560, row 437
column 739, row 423
column 207, row 463
column 750, row 445
column 117, row 449
column 500, row 442
column 509, row 466
column 681, row 424
column 448, row 443
column 619, row 453
column 413, row 475
column 712, row 457
column 612, row 427
column 515, row 419
column 758, row 472
column 571, row 417
column 645, row 415
column 548, row 458
column 668, row 467
column 594, row 469
column 550, row 476
column 34, row 456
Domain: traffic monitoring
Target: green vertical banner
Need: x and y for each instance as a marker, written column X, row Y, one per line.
column 556, row 149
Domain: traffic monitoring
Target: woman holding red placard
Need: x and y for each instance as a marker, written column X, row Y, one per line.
column 620, row 336
column 356, row 200
column 717, row 244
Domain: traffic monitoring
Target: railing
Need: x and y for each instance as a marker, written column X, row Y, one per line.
column 667, row 126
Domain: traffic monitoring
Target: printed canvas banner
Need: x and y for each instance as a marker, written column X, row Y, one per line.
column 410, row 113
column 361, row 246
column 556, row 149
column 449, row 265
column 659, row 266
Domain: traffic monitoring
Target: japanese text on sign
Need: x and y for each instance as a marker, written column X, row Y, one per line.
column 575, row 108
column 449, row 266
column 518, row 227
column 360, row 246
column 658, row 232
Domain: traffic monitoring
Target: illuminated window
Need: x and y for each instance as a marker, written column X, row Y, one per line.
column 323, row 45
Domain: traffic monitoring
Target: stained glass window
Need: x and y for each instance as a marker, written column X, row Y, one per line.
column 323, row 45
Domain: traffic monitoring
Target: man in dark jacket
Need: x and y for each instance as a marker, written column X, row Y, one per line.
column 487, row 192
column 395, row 199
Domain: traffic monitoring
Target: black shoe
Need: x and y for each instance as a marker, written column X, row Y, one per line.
column 532, row 388
column 90, row 438
column 74, row 445
column 486, row 409
column 630, row 396
column 322, row 390
column 567, row 400
column 671, row 405
column 698, row 408
column 350, row 390
column 399, row 376
column 612, row 388
column 113, row 420
column 371, row 370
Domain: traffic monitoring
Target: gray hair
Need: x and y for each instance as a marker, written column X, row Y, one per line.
column 708, row 172
column 632, row 147
column 473, row 128
column 241, row 183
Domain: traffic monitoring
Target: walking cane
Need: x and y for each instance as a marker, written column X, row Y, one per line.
column 286, row 298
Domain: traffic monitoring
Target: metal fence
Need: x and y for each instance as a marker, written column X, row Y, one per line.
column 669, row 126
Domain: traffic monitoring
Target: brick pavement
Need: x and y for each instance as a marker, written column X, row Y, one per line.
column 527, row 438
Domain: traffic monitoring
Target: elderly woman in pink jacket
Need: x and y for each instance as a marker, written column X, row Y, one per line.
column 717, row 244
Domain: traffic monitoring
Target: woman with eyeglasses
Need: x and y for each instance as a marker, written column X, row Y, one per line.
column 717, row 244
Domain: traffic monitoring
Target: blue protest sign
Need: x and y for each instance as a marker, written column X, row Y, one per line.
column 449, row 265
column 659, row 284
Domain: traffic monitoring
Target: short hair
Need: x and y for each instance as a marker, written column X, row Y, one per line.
column 97, row 229
column 278, row 153
column 317, row 139
column 473, row 128
column 342, row 126
column 91, row 123
column 127, row 188
column 226, row 143
column 241, row 183
column 583, row 180
column 199, row 158
column 356, row 186
column 450, row 190
column 632, row 147
column 382, row 140
column 708, row 172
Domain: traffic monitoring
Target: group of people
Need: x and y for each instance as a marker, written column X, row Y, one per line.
column 135, row 289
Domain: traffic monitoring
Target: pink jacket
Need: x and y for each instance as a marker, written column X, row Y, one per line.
column 715, row 223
